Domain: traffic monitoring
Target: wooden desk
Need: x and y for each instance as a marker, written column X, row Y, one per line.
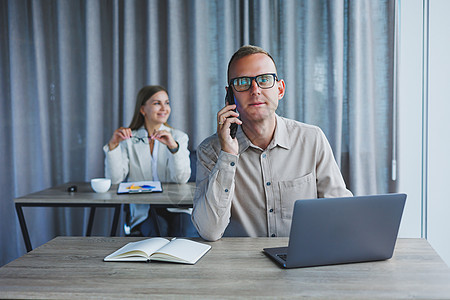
column 173, row 195
column 73, row 267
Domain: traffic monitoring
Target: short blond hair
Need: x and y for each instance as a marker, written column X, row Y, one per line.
column 245, row 51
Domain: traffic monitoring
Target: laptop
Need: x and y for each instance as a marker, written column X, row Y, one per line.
column 329, row 231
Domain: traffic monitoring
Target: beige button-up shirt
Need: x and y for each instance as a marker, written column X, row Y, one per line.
column 253, row 193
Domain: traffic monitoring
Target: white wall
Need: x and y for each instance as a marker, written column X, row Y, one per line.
column 424, row 115
column 439, row 128
column 409, row 161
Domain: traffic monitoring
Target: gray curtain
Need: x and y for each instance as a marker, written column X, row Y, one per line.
column 71, row 69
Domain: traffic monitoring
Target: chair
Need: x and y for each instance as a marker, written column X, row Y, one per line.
column 193, row 158
column 126, row 207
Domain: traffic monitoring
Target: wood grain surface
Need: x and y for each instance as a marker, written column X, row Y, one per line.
column 173, row 194
column 73, row 267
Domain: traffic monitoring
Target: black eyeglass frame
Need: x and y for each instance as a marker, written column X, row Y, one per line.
column 231, row 83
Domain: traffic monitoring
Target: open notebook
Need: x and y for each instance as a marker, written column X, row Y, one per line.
column 160, row 249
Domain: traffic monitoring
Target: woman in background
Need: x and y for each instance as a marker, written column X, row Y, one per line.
column 151, row 150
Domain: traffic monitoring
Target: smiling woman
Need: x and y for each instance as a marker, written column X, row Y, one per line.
column 149, row 149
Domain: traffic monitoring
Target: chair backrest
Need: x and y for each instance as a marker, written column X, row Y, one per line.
column 193, row 158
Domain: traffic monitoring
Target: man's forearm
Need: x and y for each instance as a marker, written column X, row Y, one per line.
column 212, row 201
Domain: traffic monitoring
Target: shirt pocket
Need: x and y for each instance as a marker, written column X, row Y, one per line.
column 300, row 188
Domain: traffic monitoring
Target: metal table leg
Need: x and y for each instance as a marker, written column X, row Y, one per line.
column 23, row 226
column 115, row 219
column 91, row 221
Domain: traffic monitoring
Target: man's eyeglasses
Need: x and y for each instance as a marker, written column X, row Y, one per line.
column 264, row 81
column 136, row 139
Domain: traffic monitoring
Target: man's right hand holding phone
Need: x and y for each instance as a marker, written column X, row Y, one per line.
column 225, row 117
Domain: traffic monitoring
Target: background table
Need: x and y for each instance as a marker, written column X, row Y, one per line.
column 173, row 195
column 73, row 267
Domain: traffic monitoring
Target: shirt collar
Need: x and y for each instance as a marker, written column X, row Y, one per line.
column 243, row 140
column 280, row 137
column 141, row 132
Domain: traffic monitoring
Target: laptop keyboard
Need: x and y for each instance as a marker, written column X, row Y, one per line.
column 282, row 256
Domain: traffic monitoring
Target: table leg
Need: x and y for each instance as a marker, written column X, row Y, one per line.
column 115, row 219
column 23, row 226
column 91, row 221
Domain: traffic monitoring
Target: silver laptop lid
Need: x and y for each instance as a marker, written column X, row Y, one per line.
column 343, row 230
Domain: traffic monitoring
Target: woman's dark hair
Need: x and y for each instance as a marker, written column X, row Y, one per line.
column 144, row 94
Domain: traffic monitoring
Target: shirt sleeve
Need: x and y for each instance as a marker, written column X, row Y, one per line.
column 214, row 193
column 116, row 163
column 179, row 166
column 330, row 183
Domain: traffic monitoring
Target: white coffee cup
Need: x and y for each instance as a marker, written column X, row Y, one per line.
column 100, row 185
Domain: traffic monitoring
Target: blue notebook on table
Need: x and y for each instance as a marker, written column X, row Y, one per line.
column 136, row 187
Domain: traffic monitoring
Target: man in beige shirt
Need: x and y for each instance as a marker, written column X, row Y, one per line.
column 247, row 186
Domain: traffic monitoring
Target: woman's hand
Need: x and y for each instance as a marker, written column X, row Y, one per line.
column 118, row 136
column 225, row 117
column 164, row 137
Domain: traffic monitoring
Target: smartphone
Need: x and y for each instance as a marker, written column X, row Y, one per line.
column 230, row 99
